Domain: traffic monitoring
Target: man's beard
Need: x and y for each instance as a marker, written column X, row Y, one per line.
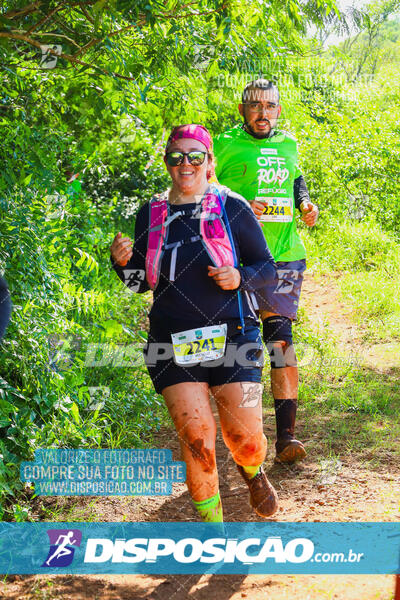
column 259, row 135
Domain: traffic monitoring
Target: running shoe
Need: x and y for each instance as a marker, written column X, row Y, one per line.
column 263, row 497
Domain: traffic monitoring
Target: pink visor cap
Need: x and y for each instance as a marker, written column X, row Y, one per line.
column 194, row 132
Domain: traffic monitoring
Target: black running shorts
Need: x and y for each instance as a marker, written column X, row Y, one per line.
column 243, row 359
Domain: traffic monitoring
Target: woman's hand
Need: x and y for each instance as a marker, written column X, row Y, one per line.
column 121, row 249
column 257, row 208
column 228, row 278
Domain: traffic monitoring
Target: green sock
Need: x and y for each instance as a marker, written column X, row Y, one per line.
column 251, row 471
column 210, row 509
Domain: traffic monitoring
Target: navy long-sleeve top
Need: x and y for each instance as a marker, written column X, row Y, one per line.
column 193, row 299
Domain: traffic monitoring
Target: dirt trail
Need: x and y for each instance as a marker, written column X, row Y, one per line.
column 321, row 299
column 311, row 491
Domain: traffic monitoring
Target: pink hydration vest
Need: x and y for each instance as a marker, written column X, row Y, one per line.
column 212, row 233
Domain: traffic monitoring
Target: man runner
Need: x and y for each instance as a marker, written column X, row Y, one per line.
column 259, row 161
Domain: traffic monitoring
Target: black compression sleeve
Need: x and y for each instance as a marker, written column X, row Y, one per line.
column 300, row 191
column 133, row 273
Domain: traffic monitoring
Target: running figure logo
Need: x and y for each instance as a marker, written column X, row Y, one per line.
column 252, row 394
column 61, row 552
column 287, row 278
column 133, row 278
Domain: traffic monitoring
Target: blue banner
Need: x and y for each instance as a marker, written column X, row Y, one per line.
column 185, row 548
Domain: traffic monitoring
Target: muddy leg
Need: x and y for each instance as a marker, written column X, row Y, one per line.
column 189, row 407
column 240, row 411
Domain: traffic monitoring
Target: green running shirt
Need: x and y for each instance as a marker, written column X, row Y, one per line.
column 264, row 169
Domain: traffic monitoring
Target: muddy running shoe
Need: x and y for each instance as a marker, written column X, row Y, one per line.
column 289, row 451
column 263, row 497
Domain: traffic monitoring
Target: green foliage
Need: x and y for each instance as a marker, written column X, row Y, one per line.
column 371, row 34
column 350, row 246
column 129, row 71
column 377, row 302
column 350, row 152
column 369, row 260
column 130, row 171
column 65, row 297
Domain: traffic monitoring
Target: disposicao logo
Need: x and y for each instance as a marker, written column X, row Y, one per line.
column 190, row 550
column 61, row 552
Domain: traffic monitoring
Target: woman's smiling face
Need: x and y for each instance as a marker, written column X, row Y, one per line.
column 187, row 178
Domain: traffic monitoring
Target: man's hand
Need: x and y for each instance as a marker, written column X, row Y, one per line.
column 309, row 213
column 121, row 249
column 257, row 208
column 228, row 278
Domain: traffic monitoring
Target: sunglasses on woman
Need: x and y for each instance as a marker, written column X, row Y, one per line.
column 196, row 158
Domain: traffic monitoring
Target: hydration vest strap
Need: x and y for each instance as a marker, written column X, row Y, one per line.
column 174, row 253
column 254, row 300
column 214, row 233
column 158, row 213
column 172, row 266
column 236, row 262
column 183, row 212
column 228, row 228
column 172, row 217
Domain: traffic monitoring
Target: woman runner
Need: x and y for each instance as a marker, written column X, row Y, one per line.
column 201, row 250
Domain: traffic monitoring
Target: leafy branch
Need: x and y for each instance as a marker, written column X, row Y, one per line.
column 85, row 36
